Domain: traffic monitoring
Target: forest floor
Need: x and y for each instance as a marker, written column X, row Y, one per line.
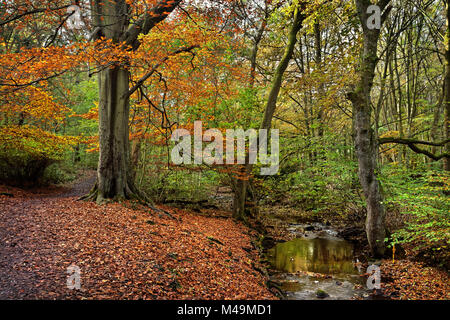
column 124, row 251
column 413, row 280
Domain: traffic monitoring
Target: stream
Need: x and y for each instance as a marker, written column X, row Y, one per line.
column 316, row 265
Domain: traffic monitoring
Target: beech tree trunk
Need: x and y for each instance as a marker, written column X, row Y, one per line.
column 366, row 144
column 113, row 165
column 112, row 21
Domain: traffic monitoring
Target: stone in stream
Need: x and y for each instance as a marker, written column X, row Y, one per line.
column 321, row 294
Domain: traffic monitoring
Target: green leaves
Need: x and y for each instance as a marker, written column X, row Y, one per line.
column 419, row 195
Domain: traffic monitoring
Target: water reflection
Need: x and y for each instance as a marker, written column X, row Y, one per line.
column 319, row 255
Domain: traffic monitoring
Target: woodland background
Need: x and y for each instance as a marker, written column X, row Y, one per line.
column 219, row 62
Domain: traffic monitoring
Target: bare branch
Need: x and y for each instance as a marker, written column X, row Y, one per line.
column 156, row 66
column 40, row 10
column 412, row 144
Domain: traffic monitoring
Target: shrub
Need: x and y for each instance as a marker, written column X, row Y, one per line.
column 420, row 195
column 25, row 153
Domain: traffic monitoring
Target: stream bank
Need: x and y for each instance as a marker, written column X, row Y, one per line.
column 309, row 258
column 314, row 261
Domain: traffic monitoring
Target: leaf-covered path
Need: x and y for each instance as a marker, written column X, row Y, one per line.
column 124, row 252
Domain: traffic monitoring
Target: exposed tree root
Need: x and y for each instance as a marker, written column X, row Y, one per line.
column 92, row 195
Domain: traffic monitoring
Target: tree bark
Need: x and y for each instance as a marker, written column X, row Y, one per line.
column 113, row 170
column 241, row 185
column 365, row 143
column 320, row 89
column 435, row 124
column 254, row 53
column 135, row 156
column 447, row 88
column 281, row 68
column 112, row 21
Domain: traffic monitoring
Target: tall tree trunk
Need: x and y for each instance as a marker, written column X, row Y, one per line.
column 241, row 187
column 240, row 196
column 320, row 89
column 281, row 68
column 112, row 21
column 240, row 183
column 113, row 165
column 435, row 124
column 135, row 156
column 365, row 143
column 253, row 56
column 447, row 89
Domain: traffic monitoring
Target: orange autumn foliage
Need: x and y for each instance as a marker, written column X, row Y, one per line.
column 199, row 79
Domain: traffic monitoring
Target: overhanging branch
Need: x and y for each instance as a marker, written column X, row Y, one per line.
column 31, row 12
column 151, row 18
column 412, row 144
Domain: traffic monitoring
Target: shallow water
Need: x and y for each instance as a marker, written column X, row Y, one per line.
column 321, row 255
column 316, row 261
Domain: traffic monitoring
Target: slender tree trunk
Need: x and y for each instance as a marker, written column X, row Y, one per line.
column 241, row 184
column 402, row 153
column 435, row 124
column 365, row 143
column 241, row 187
column 135, row 155
column 447, row 89
column 381, row 100
column 254, row 53
column 281, row 68
column 240, row 196
column 321, row 90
